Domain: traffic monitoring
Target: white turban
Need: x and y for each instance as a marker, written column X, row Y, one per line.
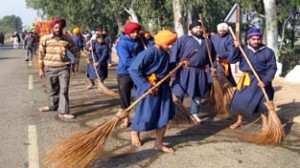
column 222, row 26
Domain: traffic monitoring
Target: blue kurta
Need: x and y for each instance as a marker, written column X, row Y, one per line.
column 192, row 80
column 153, row 111
column 250, row 99
column 101, row 53
column 224, row 47
column 78, row 41
column 127, row 50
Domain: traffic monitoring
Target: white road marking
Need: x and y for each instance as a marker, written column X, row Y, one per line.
column 33, row 154
column 29, row 63
column 30, row 82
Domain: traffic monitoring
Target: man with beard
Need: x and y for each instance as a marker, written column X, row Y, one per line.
column 55, row 65
column 224, row 46
column 248, row 97
column 192, row 80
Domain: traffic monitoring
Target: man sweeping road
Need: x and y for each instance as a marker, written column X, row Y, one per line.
column 248, row 97
column 155, row 111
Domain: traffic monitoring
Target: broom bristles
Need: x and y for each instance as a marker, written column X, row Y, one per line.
column 218, row 95
column 102, row 88
column 80, row 149
column 272, row 134
column 181, row 113
column 228, row 91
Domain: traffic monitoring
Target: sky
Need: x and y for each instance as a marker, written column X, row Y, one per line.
column 18, row 8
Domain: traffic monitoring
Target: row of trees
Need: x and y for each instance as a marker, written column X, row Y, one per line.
column 282, row 16
column 11, row 23
column 156, row 14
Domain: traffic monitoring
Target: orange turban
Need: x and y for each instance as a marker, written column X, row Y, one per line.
column 165, row 37
column 148, row 35
column 131, row 27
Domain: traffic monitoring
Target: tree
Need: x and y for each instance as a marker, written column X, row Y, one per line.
column 10, row 23
column 177, row 18
column 271, row 25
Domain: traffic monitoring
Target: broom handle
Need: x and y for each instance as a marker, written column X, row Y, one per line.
column 206, row 41
column 159, row 83
column 94, row 60
column 143, row 42
column 250, row 65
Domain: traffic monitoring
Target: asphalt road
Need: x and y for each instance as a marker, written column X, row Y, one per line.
column 27, row 134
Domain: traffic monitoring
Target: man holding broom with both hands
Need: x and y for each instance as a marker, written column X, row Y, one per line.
column 248, row 97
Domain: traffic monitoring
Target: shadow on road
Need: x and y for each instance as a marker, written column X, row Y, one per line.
column 2, row 58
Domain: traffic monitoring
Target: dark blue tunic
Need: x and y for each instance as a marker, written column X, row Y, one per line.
column 153, row 111
column 250, row 99
column 101, row 53
column 224, row 47
column 190, row 81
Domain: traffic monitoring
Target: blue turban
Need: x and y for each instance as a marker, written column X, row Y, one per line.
column 254, row 32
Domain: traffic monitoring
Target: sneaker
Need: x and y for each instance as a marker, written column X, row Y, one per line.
column 66, row 116
column 44, row 109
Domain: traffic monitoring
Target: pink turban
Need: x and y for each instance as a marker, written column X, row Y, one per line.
column 62, row 23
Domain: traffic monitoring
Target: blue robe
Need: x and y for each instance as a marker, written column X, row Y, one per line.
column 224, row 47
column 101, row 54
column 150, row 42
column 191, row 81
column 78, row 41
column 153, row 111
column 250, row 99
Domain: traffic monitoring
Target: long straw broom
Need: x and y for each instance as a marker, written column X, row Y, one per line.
column 273, row 134
column 216, row 90
column 80, row 149
column 101, row 87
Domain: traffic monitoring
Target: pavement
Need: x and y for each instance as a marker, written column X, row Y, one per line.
column 210, row 145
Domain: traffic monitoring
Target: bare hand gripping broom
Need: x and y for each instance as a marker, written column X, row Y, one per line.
column 273, row 134
column 80, row 149
column 216, row 90
column 101, row 87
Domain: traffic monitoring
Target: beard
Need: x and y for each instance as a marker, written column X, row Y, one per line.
column 57, row 34
column 197, row 34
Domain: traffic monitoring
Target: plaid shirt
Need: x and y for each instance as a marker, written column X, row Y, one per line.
column 53, row 52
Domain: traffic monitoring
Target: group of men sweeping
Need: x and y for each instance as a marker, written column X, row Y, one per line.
column 140, row 68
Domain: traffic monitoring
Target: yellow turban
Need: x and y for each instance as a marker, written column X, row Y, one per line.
column 76, row 31
column 165, row 37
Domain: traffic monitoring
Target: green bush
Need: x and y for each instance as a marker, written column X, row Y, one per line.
column 289, row 57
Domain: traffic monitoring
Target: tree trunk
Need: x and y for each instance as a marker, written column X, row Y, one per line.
column 271, row 30
column 283, row 32
column 293, row 31
column 271, row 25
column 119, row 22
column 177, row 18
column 132, row 14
